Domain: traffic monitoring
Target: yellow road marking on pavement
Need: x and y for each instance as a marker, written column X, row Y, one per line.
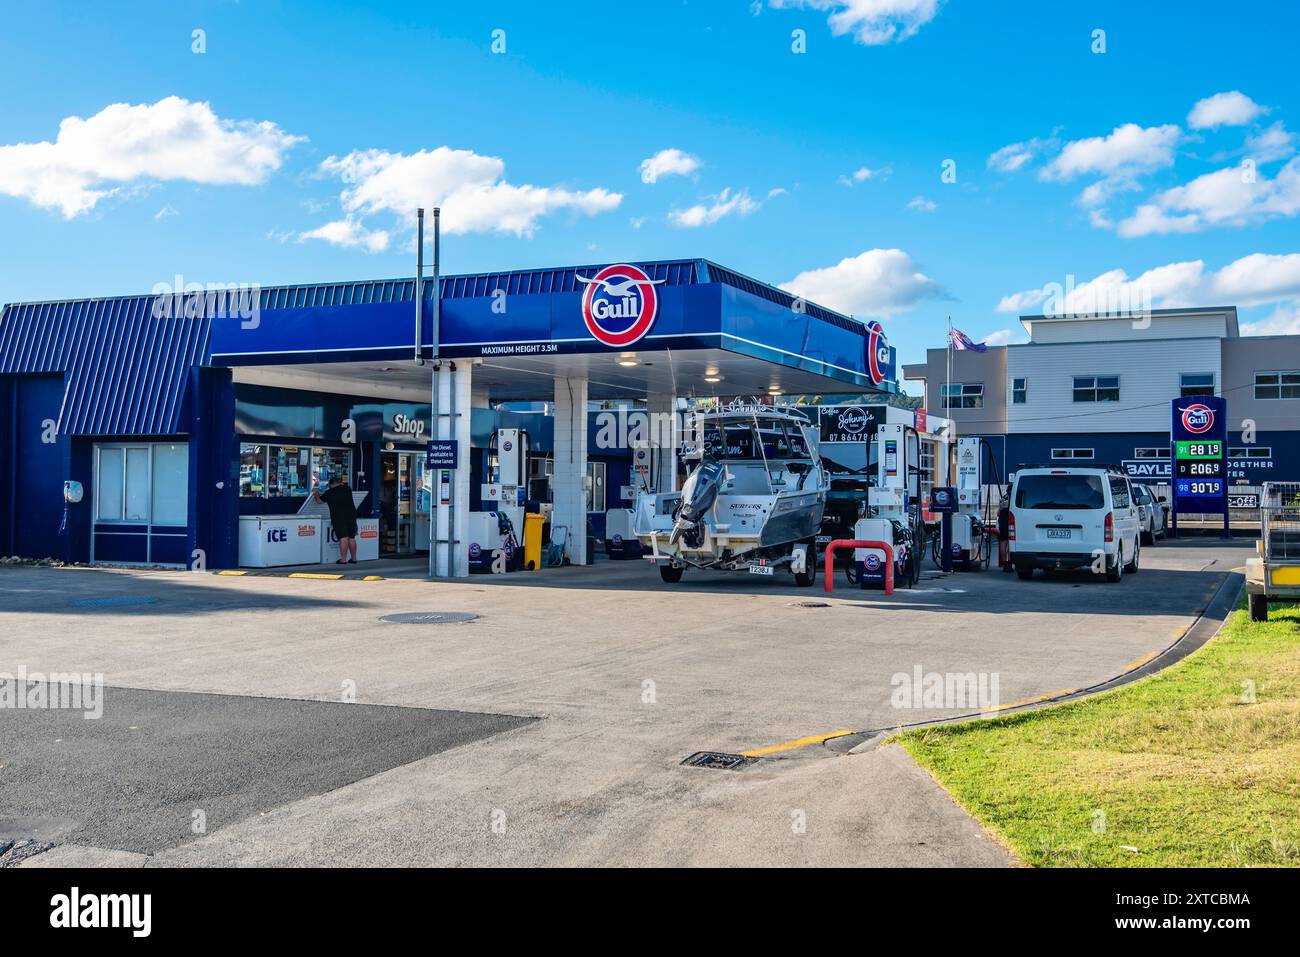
column 1139, row 662
column 373, row 578
column 232, row 573
column 1042, row 697
column 313, row 575
column 792, row 745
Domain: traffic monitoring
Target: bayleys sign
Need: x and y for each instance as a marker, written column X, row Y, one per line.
column 619, row 304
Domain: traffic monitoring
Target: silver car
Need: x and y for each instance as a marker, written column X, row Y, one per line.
column 1153, row 514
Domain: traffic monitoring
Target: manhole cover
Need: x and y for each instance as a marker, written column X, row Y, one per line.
column 719, row 760
column 124, row 601
column 810, row 604
column 430, row 617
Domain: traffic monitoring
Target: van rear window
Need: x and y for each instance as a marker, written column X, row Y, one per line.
column 1060, row 491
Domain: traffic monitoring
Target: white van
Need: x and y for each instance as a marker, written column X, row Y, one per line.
column 1069, row 518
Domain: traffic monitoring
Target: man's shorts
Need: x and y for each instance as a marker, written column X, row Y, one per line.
column 345, row 529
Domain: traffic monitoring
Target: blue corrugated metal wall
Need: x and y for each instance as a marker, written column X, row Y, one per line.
column 126, row 371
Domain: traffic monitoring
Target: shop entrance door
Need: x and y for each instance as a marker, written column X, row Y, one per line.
column 396, row 501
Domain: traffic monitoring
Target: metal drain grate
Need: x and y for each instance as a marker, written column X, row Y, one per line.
column 430, row 617
column 810, row 604
column 719, row 760
column 123, row 601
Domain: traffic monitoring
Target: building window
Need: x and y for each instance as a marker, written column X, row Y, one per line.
column 1072, row 453
column 289, row 470
column 1277, row 385
column 1019, row 391
column 1152, row 452
column 1196, row 383
column 1096, row 388
column 969, row 395
column 142, row 484
column 1250, row 452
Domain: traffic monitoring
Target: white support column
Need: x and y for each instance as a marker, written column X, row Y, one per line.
column 571, row 464
column 453, row 390
column 664, row 439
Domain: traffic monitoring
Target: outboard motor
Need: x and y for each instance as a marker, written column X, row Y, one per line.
column 699, row 492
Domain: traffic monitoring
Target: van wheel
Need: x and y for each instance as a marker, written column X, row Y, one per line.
column 805, row 578
column 1025, row 572
column 1132, row 567
column 671, row 574
column 1258, row 608
column 1115, row 571
column 1148, row 537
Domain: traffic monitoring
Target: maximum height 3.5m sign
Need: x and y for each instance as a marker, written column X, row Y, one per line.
column 1198, row 434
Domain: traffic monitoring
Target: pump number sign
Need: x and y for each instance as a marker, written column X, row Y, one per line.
column 1198, row 430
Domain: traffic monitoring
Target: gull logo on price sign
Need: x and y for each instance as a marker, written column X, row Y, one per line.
column 1198, row 418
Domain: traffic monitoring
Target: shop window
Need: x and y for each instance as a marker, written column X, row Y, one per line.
column 288, row 471
column 1096, row 388
column 329, row 464
column 169, row 504
column 142, row 484
column 1073, row 453
column 1277, row 385
column 1195, row 383
column 1250, row 452
column 1152, row 452
column 1019, row 391
column 252, row 471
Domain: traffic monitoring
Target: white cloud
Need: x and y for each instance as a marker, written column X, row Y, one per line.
column 1015, row 156
column 173, row 139
column 1285, row 321
column 922, row 205
column 1235, row 196
column 167, row 210
column 1224, row 109
column 876, row 283
column 669, row 162
column 1273, row 143
column 470, row 188
column 1128, row 150
column 862, row 174
column 1003, row 337
column 1257, row 279
column 872, row 22
column 722, row 205
column 350, row 234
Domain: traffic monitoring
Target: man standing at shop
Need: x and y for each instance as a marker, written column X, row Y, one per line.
column 343, row 516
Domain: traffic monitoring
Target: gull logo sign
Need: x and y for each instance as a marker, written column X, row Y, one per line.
column 1198, row 418
column 619, row 304
column 879, row 365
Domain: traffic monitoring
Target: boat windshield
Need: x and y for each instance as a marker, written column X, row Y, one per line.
column 753, row 439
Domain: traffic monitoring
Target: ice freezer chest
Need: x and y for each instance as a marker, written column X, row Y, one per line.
column 269, row 540
column 367, row 541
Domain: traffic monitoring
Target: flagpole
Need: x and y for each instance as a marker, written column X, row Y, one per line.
column 945, row 400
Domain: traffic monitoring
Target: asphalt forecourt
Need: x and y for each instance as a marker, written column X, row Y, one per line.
column 628, row 677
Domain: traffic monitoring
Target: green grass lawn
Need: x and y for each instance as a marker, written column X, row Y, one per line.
column 1181, row 766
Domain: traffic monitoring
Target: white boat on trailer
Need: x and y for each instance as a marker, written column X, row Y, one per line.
column 753, row 503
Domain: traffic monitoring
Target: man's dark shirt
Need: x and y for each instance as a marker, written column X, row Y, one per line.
column 343, row 513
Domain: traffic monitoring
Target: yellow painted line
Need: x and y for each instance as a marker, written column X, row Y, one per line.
column 1042, row 697
column 373, row 578
column 232, row 573
column 314, row 575
column 1139, row 662
column 792, row 745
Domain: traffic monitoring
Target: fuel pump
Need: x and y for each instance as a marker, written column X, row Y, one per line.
column 893, row 509
column 496, row 531
column 968, row 539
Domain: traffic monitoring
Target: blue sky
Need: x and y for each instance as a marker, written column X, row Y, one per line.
column 291, row 149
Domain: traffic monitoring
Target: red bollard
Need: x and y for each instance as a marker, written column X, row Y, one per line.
column 828, row 561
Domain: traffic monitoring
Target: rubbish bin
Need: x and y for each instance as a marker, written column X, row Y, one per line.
column 533, row 522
